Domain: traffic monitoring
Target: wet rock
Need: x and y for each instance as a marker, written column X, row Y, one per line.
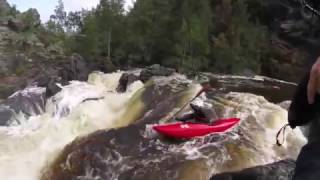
column 5, row 115
column 274, row 90
column 125, row 80
column 145, row 74
column 282, row 170
column 49, row 81
column 30, row 101
column 72, row 68
column 118, row 161
column 155, row 70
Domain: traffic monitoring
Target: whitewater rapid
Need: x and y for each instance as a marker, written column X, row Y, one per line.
column 27, row 148
column 29, row 145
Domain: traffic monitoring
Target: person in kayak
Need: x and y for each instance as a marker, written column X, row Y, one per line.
column 201, row 112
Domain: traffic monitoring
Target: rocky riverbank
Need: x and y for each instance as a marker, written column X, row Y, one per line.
column 27, row 55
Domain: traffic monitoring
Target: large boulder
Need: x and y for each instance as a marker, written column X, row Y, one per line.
column 75, row 69
column 282, row 170
column 30, row 101
column 125, row 80
column 72, row 68
column 144, row 75
column 49, row 80
column 155, row 70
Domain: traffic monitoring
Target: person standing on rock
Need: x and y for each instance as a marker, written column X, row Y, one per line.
column 305, row 110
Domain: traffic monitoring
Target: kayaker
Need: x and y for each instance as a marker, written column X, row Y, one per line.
column 200, row 111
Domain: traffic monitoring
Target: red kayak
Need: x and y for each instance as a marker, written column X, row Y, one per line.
column 190, row 130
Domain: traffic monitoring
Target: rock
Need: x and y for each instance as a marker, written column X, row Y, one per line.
column 5, row 115
column 155, row 70
column 71, row 68
column 282, row 170
column 125, row 80
column 108, row 65
column 4, row 29
column 75, row 69
column 49, row 81
column 30, row 101
column 16, row 25
column 25, row 21
column 273, row 90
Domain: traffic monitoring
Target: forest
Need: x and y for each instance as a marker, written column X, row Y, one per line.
column 215, row 36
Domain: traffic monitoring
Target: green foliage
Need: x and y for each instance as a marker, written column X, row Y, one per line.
column 189, row 35
column 60, row 16
column 89, row 39
column 243, row 45
column 13, row 11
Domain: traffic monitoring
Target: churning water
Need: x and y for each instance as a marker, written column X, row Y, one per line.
column 28, row 148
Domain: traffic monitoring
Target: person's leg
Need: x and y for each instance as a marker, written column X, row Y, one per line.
column 308, row 163
column 200, row 115
column 186, row 117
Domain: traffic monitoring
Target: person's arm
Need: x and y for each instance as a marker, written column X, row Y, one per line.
column 314, row 81
column 205, row 88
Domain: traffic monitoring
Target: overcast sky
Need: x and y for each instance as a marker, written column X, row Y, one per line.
column 45, row 7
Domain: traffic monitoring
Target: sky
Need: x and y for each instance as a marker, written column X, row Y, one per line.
column 46, row 7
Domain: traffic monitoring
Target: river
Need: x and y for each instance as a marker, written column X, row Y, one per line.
column 90, row 131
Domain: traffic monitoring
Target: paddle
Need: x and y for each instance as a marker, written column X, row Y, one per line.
column 204, row 88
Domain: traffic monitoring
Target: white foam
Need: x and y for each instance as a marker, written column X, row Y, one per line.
column 27, row 148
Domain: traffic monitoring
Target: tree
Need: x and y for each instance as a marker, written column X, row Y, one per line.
column 13, row 11
column 195, row 21
column 88, row 40
column 243, row 45
column 109, row 13
column 57, row 22
column 74, row 21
